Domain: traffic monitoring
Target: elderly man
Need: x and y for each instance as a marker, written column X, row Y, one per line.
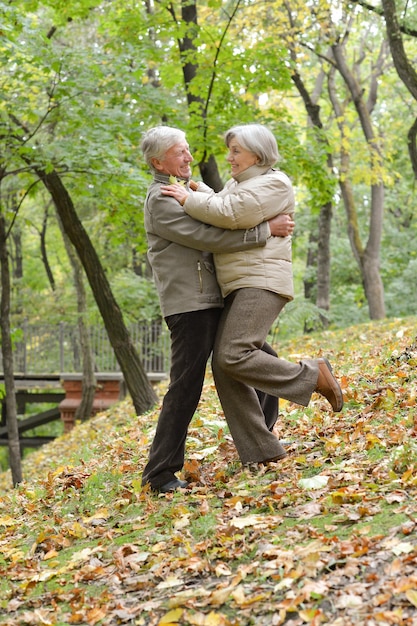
column 180, row 254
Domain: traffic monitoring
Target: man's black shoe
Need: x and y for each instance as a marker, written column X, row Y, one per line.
column 172, row 485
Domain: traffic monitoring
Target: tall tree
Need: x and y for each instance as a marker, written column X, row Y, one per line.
column 405, row 68
column 368, row 257
column 7, row 355
column 326, row 31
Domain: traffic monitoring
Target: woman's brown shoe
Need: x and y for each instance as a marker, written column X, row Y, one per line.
column 328, row 386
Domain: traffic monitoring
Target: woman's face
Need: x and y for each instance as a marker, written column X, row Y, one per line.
column 239, row 158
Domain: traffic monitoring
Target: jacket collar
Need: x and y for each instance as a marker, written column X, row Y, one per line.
column 253, row 170
column 164, row 178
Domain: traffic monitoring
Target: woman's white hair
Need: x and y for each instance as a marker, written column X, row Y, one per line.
column 257, row 139
column 156, row 141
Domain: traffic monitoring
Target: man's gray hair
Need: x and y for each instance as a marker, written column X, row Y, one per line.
column 257, row 139
column 156, row 141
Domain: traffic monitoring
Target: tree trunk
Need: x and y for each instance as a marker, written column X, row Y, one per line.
column 208, row 165
column 310, row 278
column 374, row 288
column 405, row 69
column 140, row 389
column 15, row 252
column 369, row 257
column 44, row 253
column 17, row 262
column 210, row 174
column 89, row 382
column 7, row 354
column 323, row 260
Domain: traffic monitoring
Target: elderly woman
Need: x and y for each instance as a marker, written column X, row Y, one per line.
column 256, row 284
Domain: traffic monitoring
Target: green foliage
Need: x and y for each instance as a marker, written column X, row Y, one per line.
column 399, row 262
column 297, row 314
column 137, row 296
column 81, row 81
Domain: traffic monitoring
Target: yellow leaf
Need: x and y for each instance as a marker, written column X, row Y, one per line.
column 261, row 521
column 180, row 598
column 196, row 619
column 82, row 555
column 222, row 570
column 238, row 595
column 137, row 485
column 41, row 537
column 95, row 615
column 102, row 513
column 16, row 555
column 388, row 401
column 182, row 522
column 215, row 619
column 78, row 531
column 171, row 581
column 407, row 474
column 411, row 595
column 42, row 576
column 309, row 615
column 220, row 596
column 50, row 555
column 173, row 180
column 171, row 617
column 159, row 547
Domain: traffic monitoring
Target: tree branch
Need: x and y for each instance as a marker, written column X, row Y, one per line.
column 411, row 32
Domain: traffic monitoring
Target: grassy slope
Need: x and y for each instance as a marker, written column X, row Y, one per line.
column 326, row 536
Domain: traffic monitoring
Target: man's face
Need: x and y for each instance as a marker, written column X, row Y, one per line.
column 176, row 161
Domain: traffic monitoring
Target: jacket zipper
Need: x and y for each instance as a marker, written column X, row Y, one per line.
column 200, row 277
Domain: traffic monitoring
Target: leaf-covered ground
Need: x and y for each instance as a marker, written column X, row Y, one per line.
column 327, row 536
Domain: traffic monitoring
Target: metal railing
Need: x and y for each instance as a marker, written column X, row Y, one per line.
column 44, row 348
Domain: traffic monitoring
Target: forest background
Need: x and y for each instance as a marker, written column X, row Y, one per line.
column 83, row 79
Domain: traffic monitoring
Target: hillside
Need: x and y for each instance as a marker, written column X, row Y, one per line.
column 327, row 536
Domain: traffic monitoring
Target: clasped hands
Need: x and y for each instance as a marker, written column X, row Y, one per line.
column 281, row 225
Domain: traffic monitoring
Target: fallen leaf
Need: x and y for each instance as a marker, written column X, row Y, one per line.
column 349, row 601
column 171, row 581
column 315, row 482
column 411, row 595
column 171, row 617
column 260, row 521
column 220, row 596
column 403, row 548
